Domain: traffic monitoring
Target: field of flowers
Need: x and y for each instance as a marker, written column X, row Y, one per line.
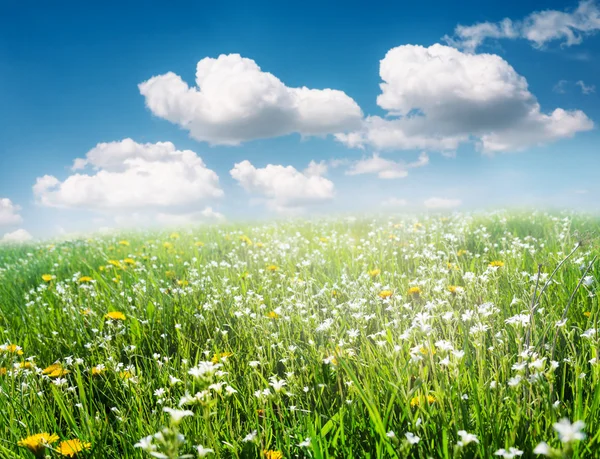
column 453, row 337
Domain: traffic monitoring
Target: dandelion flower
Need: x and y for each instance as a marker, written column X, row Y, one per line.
column 199, row 244
column 384, row 294
column 374, row 272
column 272, row 315
column 115, row 315
column 47, row 277
column 272, row 454
column 414, row 291
column 496, row 264
column 219, row 356
column 272, row 268
column 36, row 443
column 420, row 399
column 125, row 243
column 55, row 370
column 84, row 279
column 70, row 448
column 11, row 349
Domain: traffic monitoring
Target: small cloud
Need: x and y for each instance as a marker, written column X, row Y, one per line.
column 442, row 203
column 17, row 237
column 9, row 213
column 585, row 89
column 559, row 87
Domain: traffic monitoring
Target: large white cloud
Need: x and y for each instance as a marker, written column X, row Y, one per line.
column 540, row 28
column 235, row 101
column 284, row 188
column 439, row 97
column 9, row 213
column 16, row 237
column 130, row 176
column 385, row 168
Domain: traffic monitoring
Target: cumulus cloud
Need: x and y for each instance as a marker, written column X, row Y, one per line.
column 439, row 97
column 128, row 176
column 17, row 237
column 540, row 28
column 586, row 89
column 235, row 101
column 9, row 213
column 442, row 203
column 284, row 188
column 385, row 168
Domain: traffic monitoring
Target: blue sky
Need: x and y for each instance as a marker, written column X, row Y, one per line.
column 69, row 77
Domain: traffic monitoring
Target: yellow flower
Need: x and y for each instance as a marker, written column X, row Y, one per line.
column 272, row 315
column 259, row 244
column 170, row 274
column 97, row 370
column 55, row 371
column 36, row 443
column 3, row 371
column 47, row 277
column 183, row 283
column 272, row 268
column 385, row 294
column 496, row 264
column 323, row 239
column 70, row 448
column 421, row 399
column 272, row 454
column 26, row 365
column 220, row 356
column 461, row 252
column 85, row 279
column 199, row 244
column 245, row 239
column 125, row 374
column 124, row 242
column 167, row 245
column 335, row 293
column 414, row 291
column 115, row 315
column 86, row 311
column 587, row 314
column 454, row 289
column 374, row 272
column 129, row 261
column 11, row 349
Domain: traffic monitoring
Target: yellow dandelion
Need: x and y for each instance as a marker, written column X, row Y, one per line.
column 98, row 370
column 220, row 356
column 47, row 277
column 272, row 454
column 587, row 314
column 323, row 239
column 129, row 261
column 115, row 315
column 167, row 245
column 183, row 283
column 374, row 272
column 461, row 252
column 272, row 315
column 421, row 399
column 414, row 291
column 36, row 443
column 124, row 242
column 125, row 375
column 86, row 311
column 26, row 365
column 272, row 268
column 454, row 289
column 170, row 274
column 84, row 279
column 496, row 264
column 55, row 370
column 245, row 239
column 199, row 244
column 385, row 294
column 259, row 244
column 3, row 371
column 11, row 349
column 70, row 448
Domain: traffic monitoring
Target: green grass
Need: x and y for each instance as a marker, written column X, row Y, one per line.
column 302, row 299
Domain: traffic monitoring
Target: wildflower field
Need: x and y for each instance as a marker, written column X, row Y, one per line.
column 446, row 337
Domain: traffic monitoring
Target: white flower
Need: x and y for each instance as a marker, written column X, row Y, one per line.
column 146, row 444
column 202, row 451
column 542, row 449
column 588, row 280
column 412, row 438
column 305, row 443
column 390, row 434
column 277, row 384
column 177, row 415
column 250, row 437
column 466, row 438
column 568, row 432
column 510, row 454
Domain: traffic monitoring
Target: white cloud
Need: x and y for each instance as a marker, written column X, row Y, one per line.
column 284, row 188
column 442, row 203
column 131, row 176
column 208, row 215
column 586, row 89
column 441, row 97
column 394, row 203
column 540, row 28
column 235, row 101
column 17, row 236
column 385, row 168
column 9, row 213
